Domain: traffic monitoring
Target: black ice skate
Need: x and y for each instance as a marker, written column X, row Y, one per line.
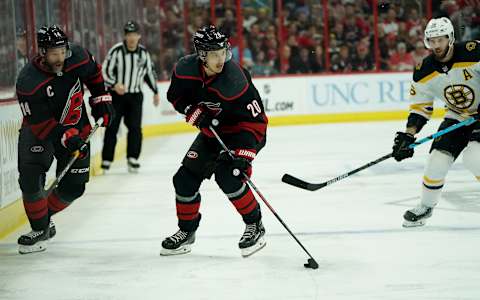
column 133, row 165
column 252, row 239
column 179, row 243
column 106, row 165
column 52, row 228
column 416, row 216
column 34, row 241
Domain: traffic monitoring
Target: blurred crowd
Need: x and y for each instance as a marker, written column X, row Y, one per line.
column 300, row 40
column 294, row 43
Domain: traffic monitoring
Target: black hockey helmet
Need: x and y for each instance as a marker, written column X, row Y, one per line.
column 131, row 26
column 209, row 38
column 51, row 37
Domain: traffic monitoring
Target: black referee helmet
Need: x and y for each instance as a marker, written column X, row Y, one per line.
column 131, row 26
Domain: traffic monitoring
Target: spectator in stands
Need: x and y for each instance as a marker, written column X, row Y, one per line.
column 198, row 22
column 318, row 60
column 228, row 24
column 419, row 53
column 401, row 60
column 247, row 56
column 283, row 63
column 341, row 62
column 249, row 17
column 388, row 46
column 362, row 60
column 390, row 25
column 262, row 67
column 301, row 64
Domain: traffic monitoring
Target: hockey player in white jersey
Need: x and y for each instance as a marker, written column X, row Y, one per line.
column 450, row 73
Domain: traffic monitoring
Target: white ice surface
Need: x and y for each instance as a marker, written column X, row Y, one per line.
column 108, row 242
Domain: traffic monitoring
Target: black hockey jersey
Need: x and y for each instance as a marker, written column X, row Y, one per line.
column 52, row 101
column 242, row 118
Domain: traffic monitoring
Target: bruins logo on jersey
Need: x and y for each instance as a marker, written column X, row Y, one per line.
column 470, row 46
column 459, row 96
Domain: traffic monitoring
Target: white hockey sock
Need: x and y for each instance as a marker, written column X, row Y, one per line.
column 435, row 172
column 471, row 158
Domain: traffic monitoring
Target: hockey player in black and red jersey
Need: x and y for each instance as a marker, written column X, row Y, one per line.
column 205, row 86
column 55, row 125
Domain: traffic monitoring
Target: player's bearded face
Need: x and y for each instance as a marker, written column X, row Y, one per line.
column 55, row 58
column 439, row 46
column 216, row 60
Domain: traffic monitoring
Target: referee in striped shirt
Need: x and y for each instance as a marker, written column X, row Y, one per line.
column 126, row 67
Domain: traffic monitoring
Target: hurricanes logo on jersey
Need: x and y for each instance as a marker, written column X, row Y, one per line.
column 459, row 96
column 73, row 108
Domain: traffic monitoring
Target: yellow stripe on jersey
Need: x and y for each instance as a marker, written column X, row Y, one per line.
column 426, row 107
column 465, row 64
column 432, row 181
column 478, row 178
column 429, row 77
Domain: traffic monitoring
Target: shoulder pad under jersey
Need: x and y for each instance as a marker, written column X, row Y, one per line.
column 231, row 83
column 187, row 68
column 79, row 57
column 31, row 79
column 467, row 52
column 425, row 69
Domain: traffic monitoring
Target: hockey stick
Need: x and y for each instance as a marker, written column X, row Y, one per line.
column 73, row 159
column 311, row 263
column 292, row 180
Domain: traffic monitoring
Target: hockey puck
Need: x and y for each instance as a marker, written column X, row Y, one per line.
column 311, row 264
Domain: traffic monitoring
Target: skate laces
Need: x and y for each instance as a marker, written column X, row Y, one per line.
column 419, row 209
column 34, row 234
column 178, row 236
column 249, row 231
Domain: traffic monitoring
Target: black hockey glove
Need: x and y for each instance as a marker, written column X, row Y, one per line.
column 241, row 162
column 73, row 142
column 102, row 108
column 400, row 146
column 202, row 114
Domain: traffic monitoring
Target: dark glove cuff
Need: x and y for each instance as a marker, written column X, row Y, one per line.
column 417, row 121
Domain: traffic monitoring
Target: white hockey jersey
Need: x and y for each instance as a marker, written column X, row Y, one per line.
column 456, row 83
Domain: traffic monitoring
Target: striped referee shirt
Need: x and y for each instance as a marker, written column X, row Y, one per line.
column 131, row 68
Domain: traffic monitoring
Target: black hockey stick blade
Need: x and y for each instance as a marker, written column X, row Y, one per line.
column 292, row 180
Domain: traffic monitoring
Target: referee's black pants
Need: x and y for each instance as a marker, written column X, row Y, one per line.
column 129, row 107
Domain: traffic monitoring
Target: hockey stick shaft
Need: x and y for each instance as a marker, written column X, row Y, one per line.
column 251, row 184
column 466, row 122
column 292, row 180
column 72, row 159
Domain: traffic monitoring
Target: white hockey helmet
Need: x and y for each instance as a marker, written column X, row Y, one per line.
column 439, row 27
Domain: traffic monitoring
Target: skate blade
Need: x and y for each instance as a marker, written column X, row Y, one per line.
column 409, row 224
column 132, row 170
column 27, row 249
column 246, row 252
column 181, row 250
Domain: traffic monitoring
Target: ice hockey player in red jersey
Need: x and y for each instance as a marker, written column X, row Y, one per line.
column 55, row 124
column 205, row 86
